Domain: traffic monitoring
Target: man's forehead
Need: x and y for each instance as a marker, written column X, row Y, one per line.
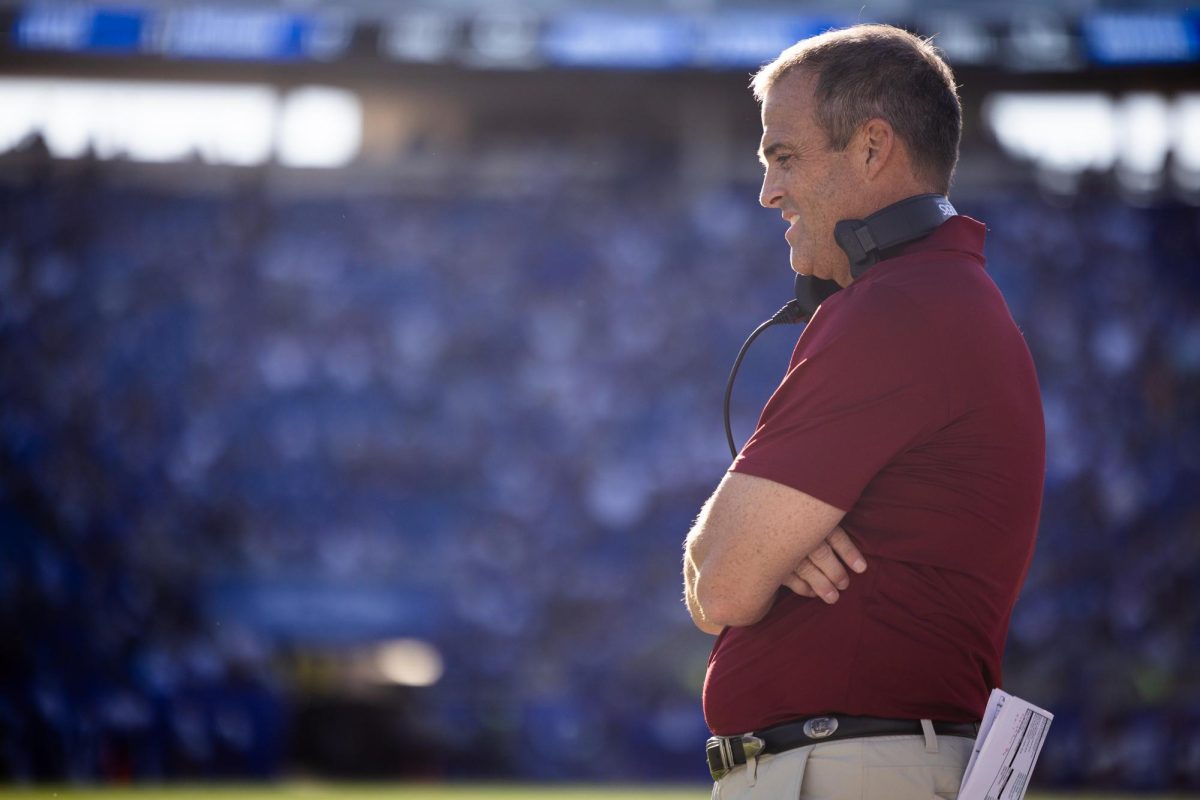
column 793, row 91
column 794, row 87
column 786, row 112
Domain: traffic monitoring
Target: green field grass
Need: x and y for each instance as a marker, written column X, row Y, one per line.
column 400, row 791
column 323, row 791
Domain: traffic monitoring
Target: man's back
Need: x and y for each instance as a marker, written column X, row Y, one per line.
column 911, row 402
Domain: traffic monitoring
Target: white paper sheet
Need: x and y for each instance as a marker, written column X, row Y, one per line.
column 1006, row 749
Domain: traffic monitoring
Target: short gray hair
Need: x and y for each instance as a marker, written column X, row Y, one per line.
column 869, row 71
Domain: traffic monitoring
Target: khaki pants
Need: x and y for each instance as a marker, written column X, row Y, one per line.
column 874, row 768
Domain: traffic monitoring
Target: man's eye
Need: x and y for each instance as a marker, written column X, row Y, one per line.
column 781, row 160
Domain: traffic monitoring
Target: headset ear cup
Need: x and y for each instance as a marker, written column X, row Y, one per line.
column 811, row 292
column 855, row 238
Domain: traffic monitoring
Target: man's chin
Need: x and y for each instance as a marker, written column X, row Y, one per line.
column 804, row 269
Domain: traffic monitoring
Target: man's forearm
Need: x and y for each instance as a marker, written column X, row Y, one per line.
column 752, row 537
column 690, row 575
column 695, row 554
column 698, row 550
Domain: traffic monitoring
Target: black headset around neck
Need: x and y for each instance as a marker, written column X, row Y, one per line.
column 865, row 243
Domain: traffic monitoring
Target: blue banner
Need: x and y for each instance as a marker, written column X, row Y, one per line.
column 234, row 33
column 80, row 28
column 1138, row 37
column 212, row 32
column 730, row 39
column 751, row 39
column 618, row 40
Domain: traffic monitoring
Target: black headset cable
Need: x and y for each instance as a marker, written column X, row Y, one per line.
column 791, row 313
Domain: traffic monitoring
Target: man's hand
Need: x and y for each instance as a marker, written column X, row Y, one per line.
column 823, row 573
column 747, row 540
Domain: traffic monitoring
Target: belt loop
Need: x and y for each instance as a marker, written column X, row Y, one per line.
column 931, row 742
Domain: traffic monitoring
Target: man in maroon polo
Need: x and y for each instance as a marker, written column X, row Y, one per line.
column 904, row 448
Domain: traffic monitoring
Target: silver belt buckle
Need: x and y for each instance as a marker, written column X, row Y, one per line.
column 726, row 752
column 820, row 727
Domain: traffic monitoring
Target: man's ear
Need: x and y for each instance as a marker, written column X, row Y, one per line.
column 878, row 143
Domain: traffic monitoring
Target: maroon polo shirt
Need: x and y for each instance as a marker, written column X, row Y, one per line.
column 911, row 402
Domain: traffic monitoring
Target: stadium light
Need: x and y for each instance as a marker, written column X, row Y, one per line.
column 221, row 124
column 1062, row 132
column 140, row 120
column 1143, row 132
column 409, row 662
column 319, row 127
column 1185, row 136
column 1065, row 134
column 160, row 121
column 1143, row 141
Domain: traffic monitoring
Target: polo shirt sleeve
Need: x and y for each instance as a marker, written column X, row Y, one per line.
column 863, row 387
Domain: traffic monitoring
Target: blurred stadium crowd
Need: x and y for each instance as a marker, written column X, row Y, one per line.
column 510, row 404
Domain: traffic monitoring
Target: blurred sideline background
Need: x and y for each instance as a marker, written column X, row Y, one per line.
column 361, row 366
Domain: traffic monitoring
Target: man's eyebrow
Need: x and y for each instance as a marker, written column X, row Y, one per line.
column 765, row 153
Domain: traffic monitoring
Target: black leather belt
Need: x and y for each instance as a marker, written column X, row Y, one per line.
column 727, row 752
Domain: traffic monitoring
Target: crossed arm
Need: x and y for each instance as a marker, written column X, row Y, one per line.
column 752, row 537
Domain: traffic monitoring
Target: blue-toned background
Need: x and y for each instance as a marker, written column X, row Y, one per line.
column 383, row 470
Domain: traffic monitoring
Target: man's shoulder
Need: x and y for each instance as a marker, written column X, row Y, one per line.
column 876, row 328
column 925, row 288
column 941, row 305
column 890, row 300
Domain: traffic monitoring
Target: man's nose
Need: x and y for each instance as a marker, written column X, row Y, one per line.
column 769, row 196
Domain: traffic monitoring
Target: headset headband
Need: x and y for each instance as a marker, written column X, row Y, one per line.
column 863, row 240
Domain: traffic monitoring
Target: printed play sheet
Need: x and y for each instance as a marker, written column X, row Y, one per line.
column 1010, row 738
